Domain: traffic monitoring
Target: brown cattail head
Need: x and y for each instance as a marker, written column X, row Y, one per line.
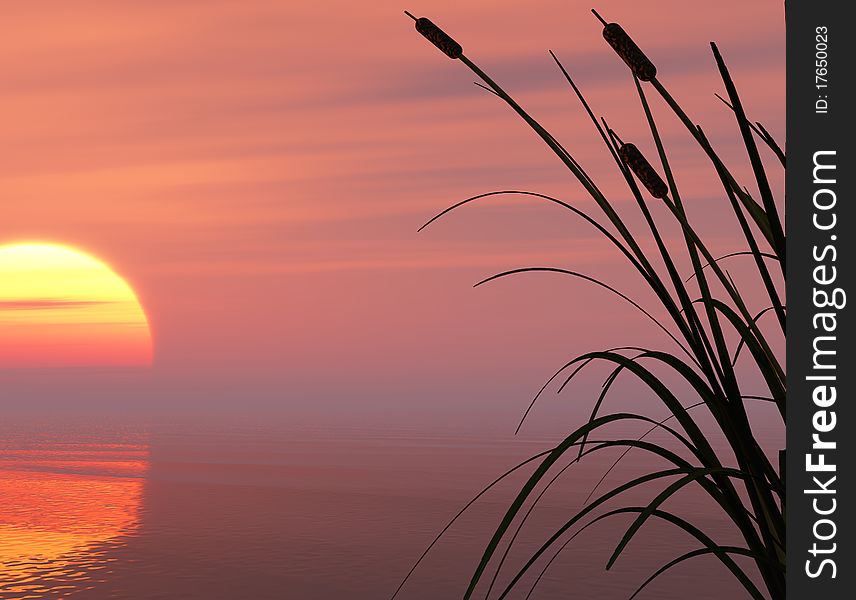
column 629, row 52
column 438, row 37
column 644, row 171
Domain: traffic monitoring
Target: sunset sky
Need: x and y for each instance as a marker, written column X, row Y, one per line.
column 256, row 172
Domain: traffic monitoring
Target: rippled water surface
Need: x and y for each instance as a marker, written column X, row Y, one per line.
column 270, row 512
column 67, row 505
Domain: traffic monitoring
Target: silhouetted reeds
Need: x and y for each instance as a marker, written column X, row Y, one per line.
column 701, row 311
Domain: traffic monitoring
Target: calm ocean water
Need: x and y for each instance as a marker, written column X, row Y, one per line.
column 258, row 512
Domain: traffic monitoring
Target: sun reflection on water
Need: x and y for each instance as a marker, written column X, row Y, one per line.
column 63, row 507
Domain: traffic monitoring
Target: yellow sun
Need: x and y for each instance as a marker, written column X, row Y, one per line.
column 62, row 307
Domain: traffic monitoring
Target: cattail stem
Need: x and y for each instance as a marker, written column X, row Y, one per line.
column 753, row 208
column 599, row 18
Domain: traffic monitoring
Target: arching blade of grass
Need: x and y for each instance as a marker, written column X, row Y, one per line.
column 700, row 447
column 703, row 451
column 587, row 498
column 599, row 445
column 753, row 208
column 742, row 342
column 553, row 377
column 627, row 254
column 460, row 513
column 646, row 269
column 630, row 444
column 596, row 282
column 604, row 390
column 709, row 544
column 763, row 272
column 653, row 506
column 718, row 550
column 627, row 451
column 729, row 287
column 771, row 141
column 762, row 133
column 770, row 207
column 618, row 490
column 731, row 255
column 662, row 392
column 536, row 477
column 773, row 377
column 722, row 552
column 706, row 454
column 482, row 492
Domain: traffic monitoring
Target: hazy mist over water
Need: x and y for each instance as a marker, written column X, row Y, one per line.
column 243, row 510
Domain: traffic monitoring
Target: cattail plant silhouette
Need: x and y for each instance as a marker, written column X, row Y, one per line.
column 703, row 311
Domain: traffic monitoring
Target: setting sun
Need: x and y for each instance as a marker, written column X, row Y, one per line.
column 62, row 307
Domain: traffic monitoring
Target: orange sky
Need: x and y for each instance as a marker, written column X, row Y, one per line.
column 257, row 171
